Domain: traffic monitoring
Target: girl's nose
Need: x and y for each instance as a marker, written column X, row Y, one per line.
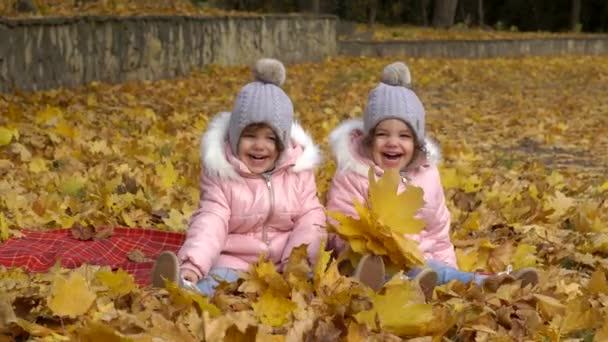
column 392, row 141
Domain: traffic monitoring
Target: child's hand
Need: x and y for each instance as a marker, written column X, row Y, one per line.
column 190, row 276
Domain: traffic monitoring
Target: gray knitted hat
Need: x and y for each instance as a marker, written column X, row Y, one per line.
column 392, row 99
column 262, row 101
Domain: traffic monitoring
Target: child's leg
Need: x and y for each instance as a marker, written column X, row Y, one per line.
column 209, row 283
column 446, row 273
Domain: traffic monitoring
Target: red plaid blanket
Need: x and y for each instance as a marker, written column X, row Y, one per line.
column 39, row 251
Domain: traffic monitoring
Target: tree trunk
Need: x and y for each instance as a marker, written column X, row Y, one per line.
column 444, row 12
column 575, row 14
column 425, row 13
column 480, row 12
column 372, row 10
column 316, row 6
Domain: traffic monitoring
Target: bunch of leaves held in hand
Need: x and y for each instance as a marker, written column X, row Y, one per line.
column 384, row 220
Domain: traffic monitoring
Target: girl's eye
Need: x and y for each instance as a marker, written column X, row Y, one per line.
column 406, row 136
column 273, row 138
column 381, row 134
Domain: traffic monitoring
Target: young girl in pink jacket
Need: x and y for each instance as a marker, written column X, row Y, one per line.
column 391, row 135
column 258, row 191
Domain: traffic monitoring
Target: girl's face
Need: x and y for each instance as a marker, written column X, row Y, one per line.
column 392, row 144
column 257, row 148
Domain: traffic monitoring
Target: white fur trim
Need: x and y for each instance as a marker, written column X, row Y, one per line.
column 213, row 154
column 311, row 156
column 340, row 143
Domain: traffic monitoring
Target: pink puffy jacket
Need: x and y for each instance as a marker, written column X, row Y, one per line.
column 241, row 215
column 351, row 182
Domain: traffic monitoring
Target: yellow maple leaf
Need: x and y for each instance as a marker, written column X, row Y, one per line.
column 185, row 297
column 7, row 135
column 176, row 220
column 38, row 165
column 48, row 115
column 3, row 228
column 167, row 173
column 65, row 129
column 524, row 256
column 297, row 269
column 397, row 211
column 598, row 284
column 602, row 333
column 373, row 231
column 119, row 283
column 98, row 331
column 399, row 311
column 72, row 185
column 71, row 297
column 263, row 276
column 449, row 178
column 273, row 309
column 560, row 204
column 321, row 264
column 549, row 306
column 579, row 315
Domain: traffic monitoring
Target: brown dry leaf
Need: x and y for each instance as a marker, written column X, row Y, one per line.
column 137, row 255
column 81, row 232
column 7, row 314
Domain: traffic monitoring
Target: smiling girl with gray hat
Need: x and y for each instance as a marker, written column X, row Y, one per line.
column 258, row 191
column 392, row 136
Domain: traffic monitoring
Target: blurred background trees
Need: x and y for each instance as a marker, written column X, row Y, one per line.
column 521, row 15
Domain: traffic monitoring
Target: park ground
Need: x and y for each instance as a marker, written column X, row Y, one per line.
column 524, row 145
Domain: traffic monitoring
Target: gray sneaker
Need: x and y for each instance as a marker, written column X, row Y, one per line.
column 370, row 271
column 427, row 280
column 166, row 267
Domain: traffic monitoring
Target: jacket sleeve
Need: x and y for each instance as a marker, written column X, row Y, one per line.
column 309, row 226
column 438, row 227
column 208, row 229
column 341, row 197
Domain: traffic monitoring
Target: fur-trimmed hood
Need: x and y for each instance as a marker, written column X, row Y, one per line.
column 343, row 138
column 214, row 150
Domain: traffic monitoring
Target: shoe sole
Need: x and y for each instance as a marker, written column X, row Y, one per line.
column 370, row 271
column 527, row 276
column 166, row 267
column 427, row 281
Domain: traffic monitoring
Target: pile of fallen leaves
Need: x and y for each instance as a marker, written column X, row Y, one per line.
column 458, row 32
column 53, row 8
column 524, row 170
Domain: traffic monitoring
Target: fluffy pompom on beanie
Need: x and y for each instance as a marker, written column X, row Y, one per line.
column 262, row 101
column 392, row 98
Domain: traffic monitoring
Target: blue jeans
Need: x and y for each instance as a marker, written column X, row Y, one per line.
column 447, row 273
column 208, row 284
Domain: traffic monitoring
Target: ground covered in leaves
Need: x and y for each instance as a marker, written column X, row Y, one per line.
column 524, row 168
column 54, row 8
column 457, row 32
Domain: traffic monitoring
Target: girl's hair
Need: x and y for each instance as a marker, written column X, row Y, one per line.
column 418, row 149
column 258, row 125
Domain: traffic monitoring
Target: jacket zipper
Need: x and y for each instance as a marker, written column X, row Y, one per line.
column 271, row 209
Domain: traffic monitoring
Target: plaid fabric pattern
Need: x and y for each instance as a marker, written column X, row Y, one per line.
column 39, row 251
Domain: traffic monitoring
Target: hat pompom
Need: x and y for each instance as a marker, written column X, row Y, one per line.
column 269, row 70
column 397, row 74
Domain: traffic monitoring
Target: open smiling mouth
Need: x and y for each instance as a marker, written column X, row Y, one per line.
column 258, row 157
column 392, row 156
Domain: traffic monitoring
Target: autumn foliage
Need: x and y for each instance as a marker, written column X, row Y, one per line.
column 524, row 144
